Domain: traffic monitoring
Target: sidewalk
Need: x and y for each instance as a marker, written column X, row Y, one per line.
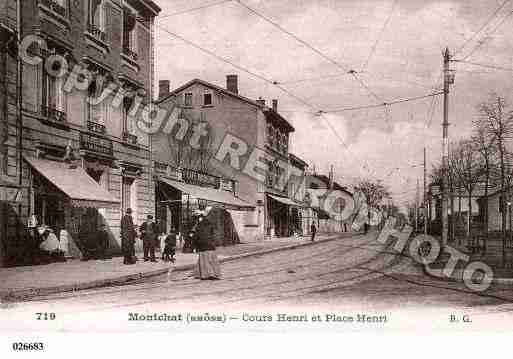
column 492, row 257
column 24, row 282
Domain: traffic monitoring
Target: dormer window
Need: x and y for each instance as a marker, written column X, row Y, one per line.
column 207, row 99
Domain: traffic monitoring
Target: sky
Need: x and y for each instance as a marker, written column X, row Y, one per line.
column 396, row 48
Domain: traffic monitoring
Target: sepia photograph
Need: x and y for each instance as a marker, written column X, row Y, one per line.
column 255, row 166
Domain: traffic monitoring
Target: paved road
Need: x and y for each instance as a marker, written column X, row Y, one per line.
column 350, row 275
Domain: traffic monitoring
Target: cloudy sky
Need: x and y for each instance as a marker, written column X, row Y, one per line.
column 396, row 46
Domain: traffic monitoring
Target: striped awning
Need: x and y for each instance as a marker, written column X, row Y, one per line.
column 81, row 189
column 224, row 198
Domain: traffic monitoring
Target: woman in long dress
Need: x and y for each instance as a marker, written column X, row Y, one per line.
column 208, row 265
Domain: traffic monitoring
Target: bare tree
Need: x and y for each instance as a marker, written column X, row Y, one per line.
column 499, row 125
column 373, row 192
column 467, row 172
column 485, row 145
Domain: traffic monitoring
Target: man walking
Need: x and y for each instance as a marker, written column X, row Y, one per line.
column 128, row 235
column 149, row 237
column 313, row 230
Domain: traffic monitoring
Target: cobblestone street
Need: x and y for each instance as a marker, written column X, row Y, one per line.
column 354, row 273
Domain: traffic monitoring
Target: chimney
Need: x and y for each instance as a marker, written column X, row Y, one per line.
column 232, row 84
column 260, row 101
column 275, row 105
column 163, row 88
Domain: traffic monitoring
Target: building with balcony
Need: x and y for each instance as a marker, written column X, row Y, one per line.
column 82, row 160
column 259, row 134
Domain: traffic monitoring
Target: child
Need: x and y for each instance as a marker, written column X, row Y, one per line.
column 170, row 247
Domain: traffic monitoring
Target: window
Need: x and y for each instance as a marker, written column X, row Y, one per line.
column 127, row 119
column 187, row 99
column 54, row 98
column 96, row 112
column 207, row 99
column 130, row 32
column 96, row 15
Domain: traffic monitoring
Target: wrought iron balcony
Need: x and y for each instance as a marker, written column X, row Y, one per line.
column 199, row 178
column 132, row 55
column 95, row 127
column 96, row 144
column 129, row 138
column 53, row 114
column 54, row 6
column 97, row 32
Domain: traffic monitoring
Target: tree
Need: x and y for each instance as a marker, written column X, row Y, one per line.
column 485, row 145
column 467, row 171
column 373, row 193
column 498, row 123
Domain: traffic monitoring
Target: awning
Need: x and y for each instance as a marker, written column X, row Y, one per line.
column 74, row 182
column 286, row 201
column 210, row 195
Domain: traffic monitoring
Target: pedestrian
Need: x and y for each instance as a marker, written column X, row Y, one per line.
column 149, row 237
column 168, row 254
column 128, row 235
column 208, row 265
column 313, row 231
column 103, row 241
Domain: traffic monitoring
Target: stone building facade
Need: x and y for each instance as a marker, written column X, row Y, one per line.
column 82, row 159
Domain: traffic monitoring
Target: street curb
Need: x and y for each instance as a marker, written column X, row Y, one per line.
column 25, row 294
column 459, row 278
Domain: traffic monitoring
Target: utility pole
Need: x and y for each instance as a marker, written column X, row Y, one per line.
column 445, row 161
column 425, row 196
column 417, row 208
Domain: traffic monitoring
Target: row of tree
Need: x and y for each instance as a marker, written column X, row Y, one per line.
column 481, row 162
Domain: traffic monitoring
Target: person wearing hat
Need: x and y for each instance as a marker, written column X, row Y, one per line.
column 128, row 235
column 149, row 234
column 208, row 264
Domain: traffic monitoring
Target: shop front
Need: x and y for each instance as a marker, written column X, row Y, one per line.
column 68, row 201
column 178, row 202
column 284, row 217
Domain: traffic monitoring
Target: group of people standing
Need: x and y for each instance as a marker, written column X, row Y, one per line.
column 202, row 235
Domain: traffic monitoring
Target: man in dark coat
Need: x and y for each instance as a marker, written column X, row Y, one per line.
column 149, row 237
column 128, row 235
column 313, row 230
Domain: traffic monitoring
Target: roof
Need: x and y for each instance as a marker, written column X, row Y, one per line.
column 212, row 86
column 74, row 182
column 298, row 160
column 285, row 200
column 269, row 113
column 325, row 179
column 151, row 5
column 209, row 194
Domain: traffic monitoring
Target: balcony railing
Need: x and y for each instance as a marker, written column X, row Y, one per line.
column 54, row 6
column 199, row 178
column 132, row 55
column 95, row 127
column 97, row 32
column 53, row 114
column 96, row 144
column 129, row 138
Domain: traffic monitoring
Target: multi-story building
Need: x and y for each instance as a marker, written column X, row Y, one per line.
column 9, row 186
column 82, row 160
column 302, row 214
column 254, row 129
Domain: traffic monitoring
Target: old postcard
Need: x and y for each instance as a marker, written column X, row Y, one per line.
column 299, row 166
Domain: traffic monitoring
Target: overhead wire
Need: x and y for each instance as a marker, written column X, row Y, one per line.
column 311, row 47
column 165, row 16
column 378, row 38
